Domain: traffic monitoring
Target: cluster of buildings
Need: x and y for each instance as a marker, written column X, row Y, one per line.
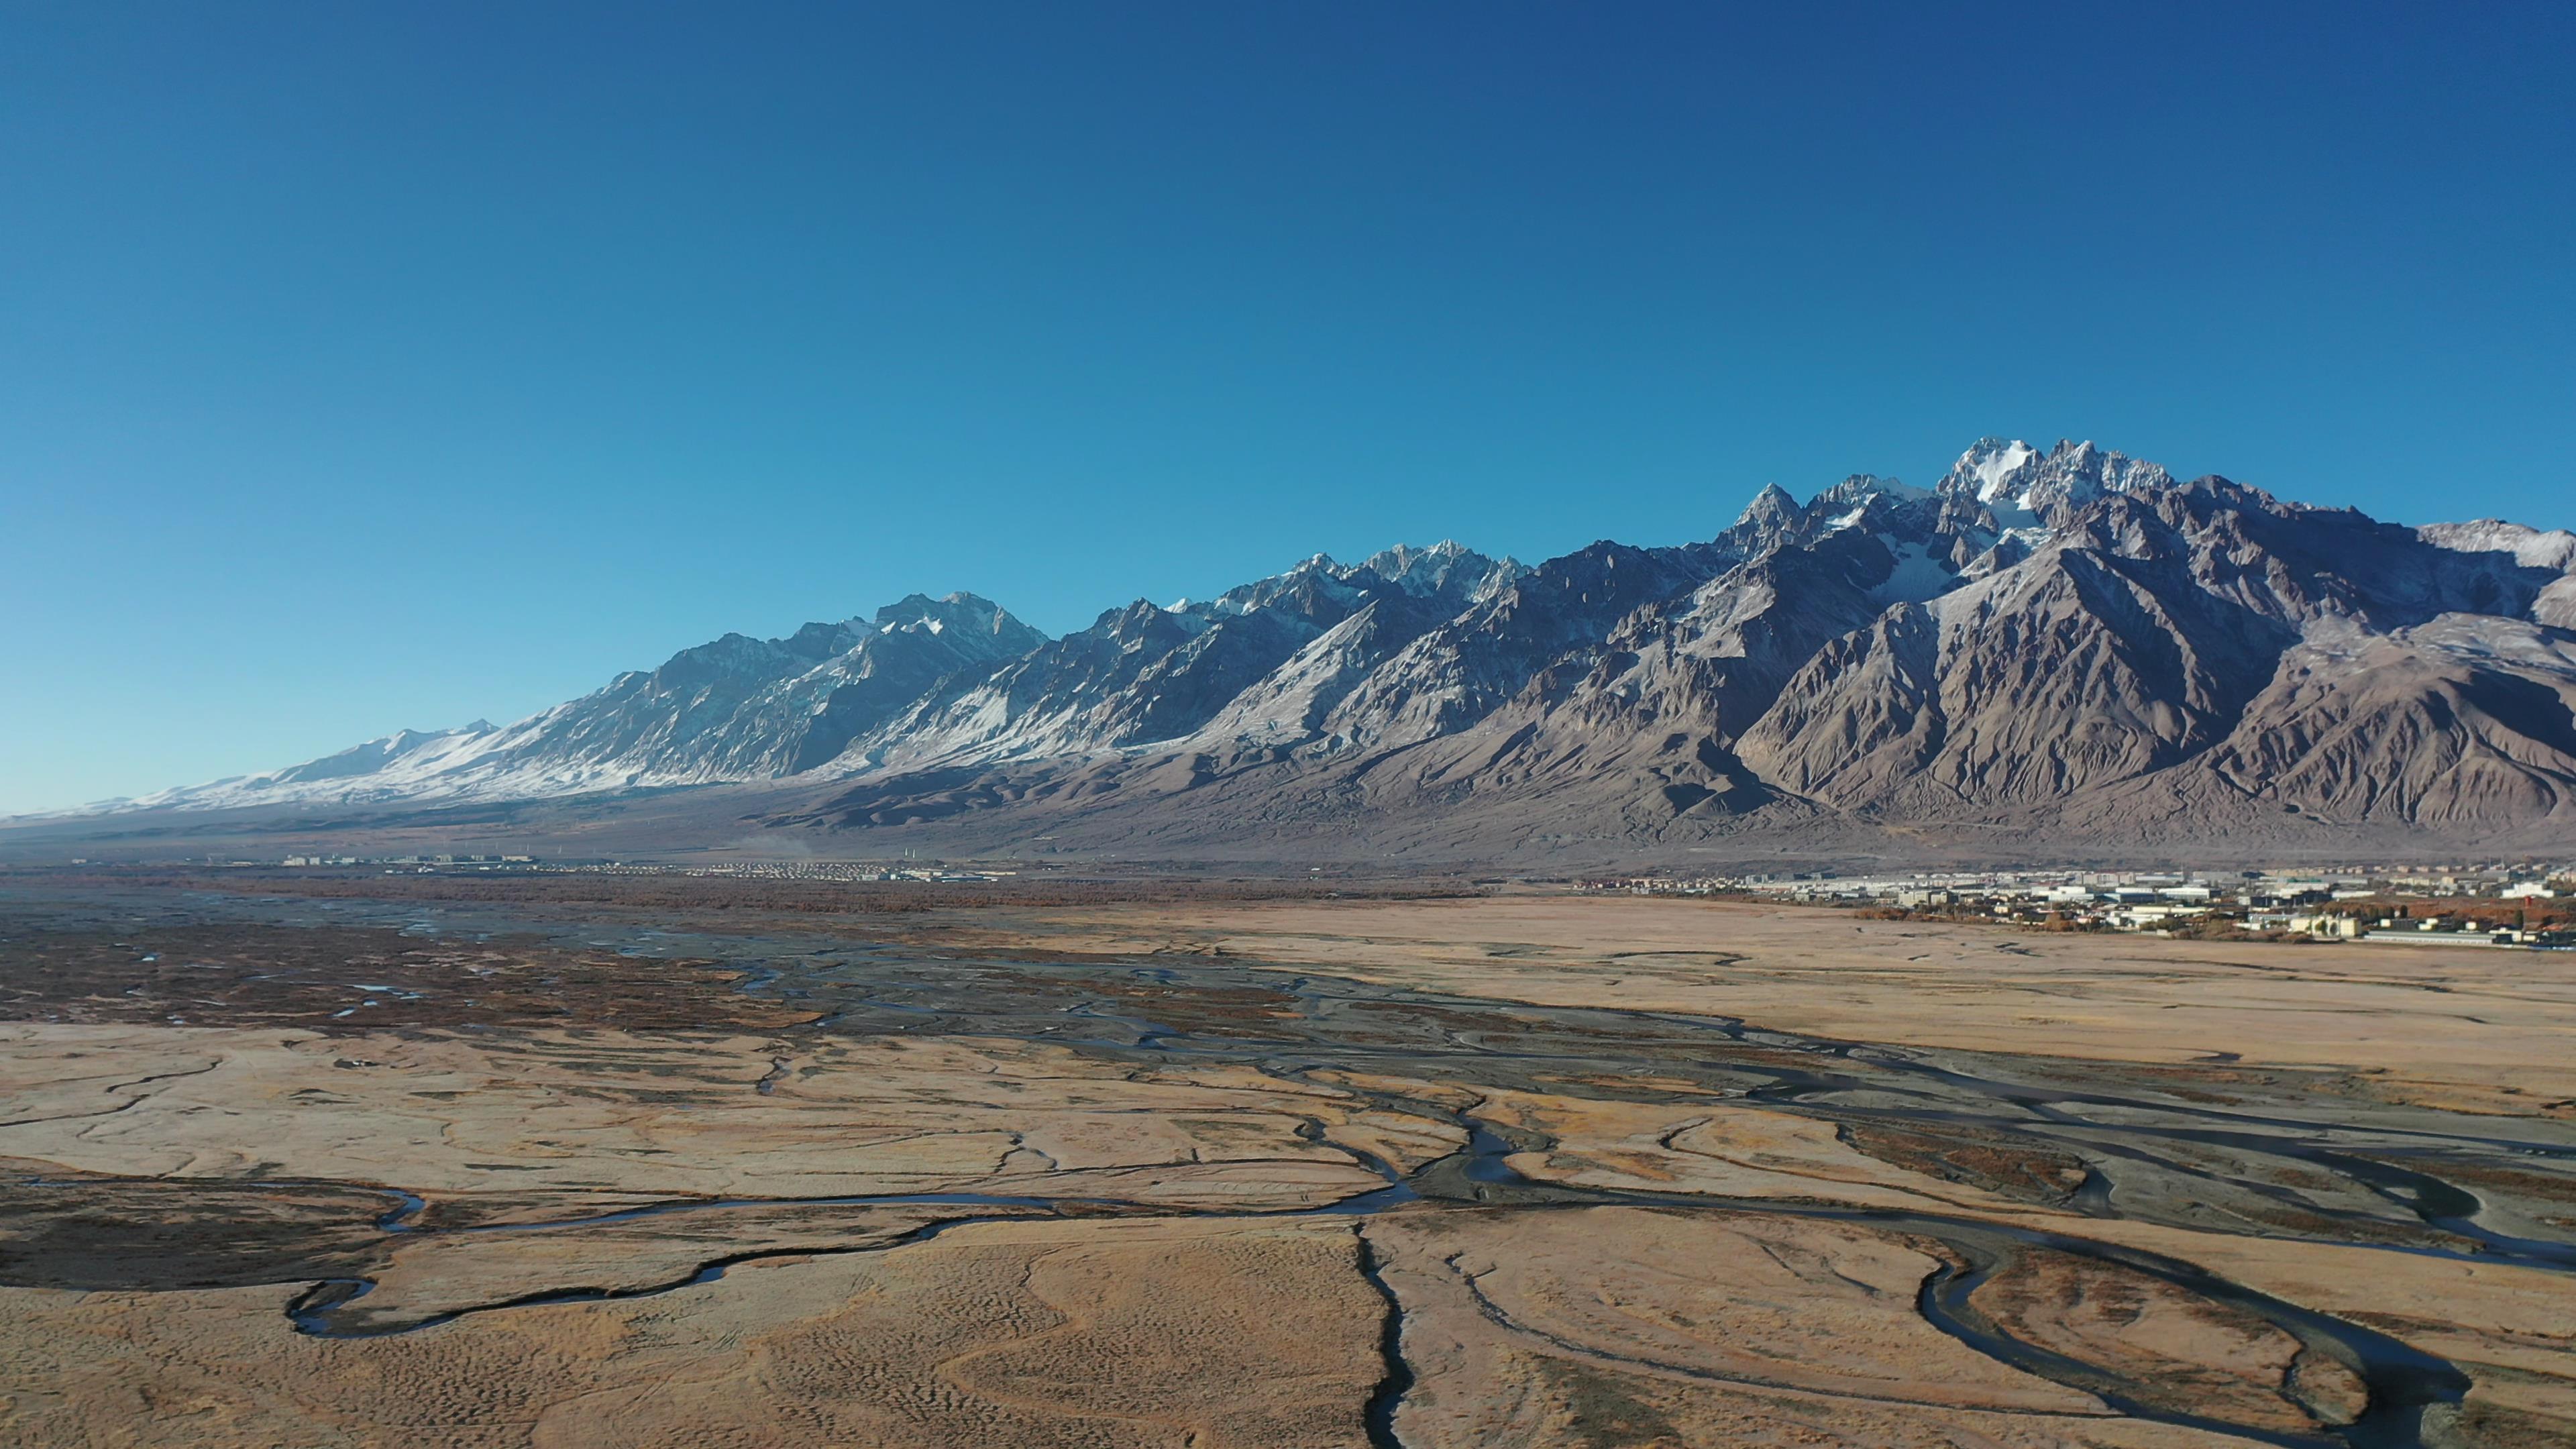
column 841, row 870
column 813, row 870
column 2498, row 904
column 479, row 862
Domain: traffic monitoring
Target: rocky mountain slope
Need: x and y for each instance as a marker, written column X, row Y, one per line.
column 2064, row 640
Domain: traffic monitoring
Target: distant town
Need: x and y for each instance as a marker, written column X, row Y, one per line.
column 2498, row 904
column 816, row 870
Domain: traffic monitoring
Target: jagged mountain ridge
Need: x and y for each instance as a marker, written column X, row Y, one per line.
column 732, row 709
column 2068, row 637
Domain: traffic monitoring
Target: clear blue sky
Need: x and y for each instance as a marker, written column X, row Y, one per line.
column 369, row 366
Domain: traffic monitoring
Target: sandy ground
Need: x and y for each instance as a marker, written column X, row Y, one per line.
column 1040, row 1335
column 2466, row 1029
column 804, row 1225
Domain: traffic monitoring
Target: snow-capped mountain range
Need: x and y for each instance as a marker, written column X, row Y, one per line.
column 2067, row 636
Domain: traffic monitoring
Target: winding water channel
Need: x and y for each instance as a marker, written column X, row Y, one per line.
column 2215, row 1154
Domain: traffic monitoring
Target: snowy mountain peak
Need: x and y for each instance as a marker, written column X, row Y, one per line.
column 2027, row 489
column 1989, row 469
column 972, row 622
column 1423, row 572
column 2010, row 608
column 1859, row 488
column 1776, row 520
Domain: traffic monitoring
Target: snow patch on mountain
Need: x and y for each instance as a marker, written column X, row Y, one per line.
column 1991, row 464
column 2039, row 622
column 1917, row 576
column 2530, row 547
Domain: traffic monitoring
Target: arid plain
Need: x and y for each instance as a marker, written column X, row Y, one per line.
column 695, row 1164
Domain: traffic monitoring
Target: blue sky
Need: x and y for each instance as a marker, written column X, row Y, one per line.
column 372, row 366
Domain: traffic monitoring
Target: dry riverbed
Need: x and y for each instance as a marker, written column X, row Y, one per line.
column 1518, row 1171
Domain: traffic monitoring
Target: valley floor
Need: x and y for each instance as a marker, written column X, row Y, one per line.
column 1517, row 1170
